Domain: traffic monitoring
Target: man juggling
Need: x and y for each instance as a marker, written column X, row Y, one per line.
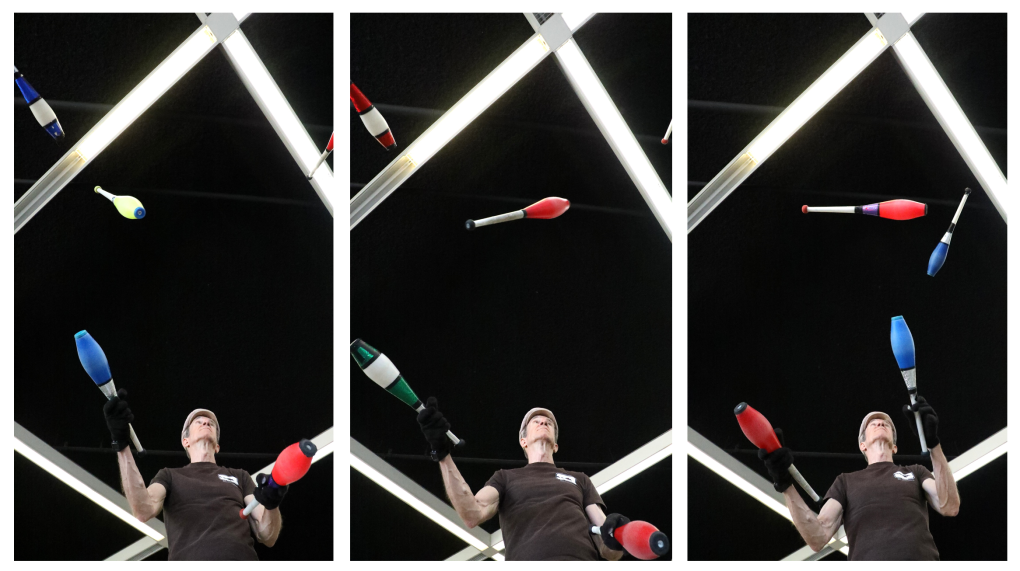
column 883, row 507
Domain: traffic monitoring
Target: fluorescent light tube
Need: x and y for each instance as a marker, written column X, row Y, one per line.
column 146, row 93
column 731, row 477
column 817, row 95
column 499, row 546
column 498, row 557
column 620, row 137
column 62, row 475
column 575, row 20
column 415, row 503
column 635, row 470
column 477, row 100
column 323, row 452
column 942, row 104
column 911, row 17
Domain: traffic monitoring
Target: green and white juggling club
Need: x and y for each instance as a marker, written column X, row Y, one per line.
column 380, row 369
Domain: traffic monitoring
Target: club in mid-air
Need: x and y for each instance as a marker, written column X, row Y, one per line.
column 544, row 209
column 329, row 149
column 758, row 430
column 128, row 206
column 898, row 209
column 938, row 257
column 641, row 539
column 903, row 349
column 380, row 369
column 93, row 359
column 291, row 465
column 43, row 112
column 372, row 118
column 665, row 138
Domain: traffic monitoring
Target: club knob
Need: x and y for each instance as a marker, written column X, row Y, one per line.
column 740, row 408
column 470, row 224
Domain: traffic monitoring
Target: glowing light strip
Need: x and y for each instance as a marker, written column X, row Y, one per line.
column 146, row 93
column 64, row 476
column 635, row 470
column 732, row 477
column 575, row 20
column 614, row 128
column 409, row 499
column 945, row 108
column 506, row 74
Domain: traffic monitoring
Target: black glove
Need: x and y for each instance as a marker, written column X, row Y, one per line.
column 267, row 495
column 778, row 464
column 434, row 425
column 929, row 420
column 118, row 416
column 612, row 522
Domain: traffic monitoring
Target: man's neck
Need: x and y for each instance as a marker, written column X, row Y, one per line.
column 202, row 453
column 540, row 452
column 879, row 452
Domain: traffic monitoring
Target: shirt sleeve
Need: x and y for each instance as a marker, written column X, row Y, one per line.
column 921, row 473
column 591, row 495
column 248, row 487
column 162, row 477
column 837, row 491
column 498, row 481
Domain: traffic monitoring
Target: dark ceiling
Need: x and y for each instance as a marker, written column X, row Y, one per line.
column 793, row 311
column 573, row 314
column 221, row 297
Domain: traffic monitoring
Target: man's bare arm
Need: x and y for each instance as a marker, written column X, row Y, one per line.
column 145, row 503
column 473, row 509
column 946, row 499
column 818, row 529
column 265, row 524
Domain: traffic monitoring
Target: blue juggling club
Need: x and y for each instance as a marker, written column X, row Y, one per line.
column 903, row 349
column 938, row 257
column 37, row 105
column 94, row 361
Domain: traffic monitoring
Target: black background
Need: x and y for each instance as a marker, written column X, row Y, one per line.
column 221, row 297
column 791, row 313
column 573, row 314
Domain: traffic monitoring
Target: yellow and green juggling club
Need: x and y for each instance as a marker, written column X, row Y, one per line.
column 380, row 369
column 128, row 206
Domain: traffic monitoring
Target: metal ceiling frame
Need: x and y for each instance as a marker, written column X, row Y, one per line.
column 555, row 32
column 893, row 27
column 219, row 27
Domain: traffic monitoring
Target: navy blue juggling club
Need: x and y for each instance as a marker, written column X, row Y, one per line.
column 94, row 361
column 903, row 349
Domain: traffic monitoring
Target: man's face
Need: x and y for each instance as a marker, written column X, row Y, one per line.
column 541, row 426
column 878, row 429
column 202, row 427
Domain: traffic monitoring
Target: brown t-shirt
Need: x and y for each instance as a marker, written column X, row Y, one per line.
column 202, row 512
column 885, row 512
column 541, row 513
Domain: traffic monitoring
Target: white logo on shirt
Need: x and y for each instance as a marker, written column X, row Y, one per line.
column 230, row 479
column 566, row 478
column 909, row 476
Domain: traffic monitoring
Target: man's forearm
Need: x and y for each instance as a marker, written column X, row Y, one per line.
column 805, row 520
column 945, row 483
column 459, row 492
column 269, row 526
column 134, row 486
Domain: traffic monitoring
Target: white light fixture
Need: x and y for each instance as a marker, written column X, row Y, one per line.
column 817, row 95
column 620, row 137
column 323, row 452
column 911, row 17
column 498, row 557
column 390, row 486
column 76, row 484
column 945, row 108
column 499, row 546
column 575, row 20
column 477, row 100
column 635, row 470
column 731, row 477
column 988, row 450
column 146, row 93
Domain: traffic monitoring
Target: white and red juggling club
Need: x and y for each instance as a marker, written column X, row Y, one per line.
column 291, row 465
column 665, row 138
column 329, row 149
column 544, row 209
column 641, row 539
column 899, row 209
column 372, row 118
column 758, row 430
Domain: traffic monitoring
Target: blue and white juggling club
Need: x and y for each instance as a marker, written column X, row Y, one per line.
column 903, row 349
column 94, row 361
column 938, row 257
column 43, row 112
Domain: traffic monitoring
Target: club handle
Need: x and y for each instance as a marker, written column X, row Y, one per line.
column 920, row 428
column 134, row 439
column 456, row 441
column 255, row 503
column 802, row 482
